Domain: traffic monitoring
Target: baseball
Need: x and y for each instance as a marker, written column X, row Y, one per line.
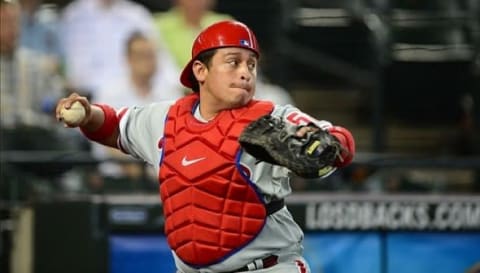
column 74, row 115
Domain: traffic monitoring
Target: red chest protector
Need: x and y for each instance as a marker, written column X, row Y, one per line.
column 211, row 209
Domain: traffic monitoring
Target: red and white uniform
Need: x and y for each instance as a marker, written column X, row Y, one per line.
column 213, row 193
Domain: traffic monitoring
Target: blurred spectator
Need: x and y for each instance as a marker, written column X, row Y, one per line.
column 94, row 33
column 29, row 79
column 39, row 28
column 181, row 24
column 149, row 81
column 29, row 87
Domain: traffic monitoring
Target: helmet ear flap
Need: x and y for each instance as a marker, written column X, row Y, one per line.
column 221, row 34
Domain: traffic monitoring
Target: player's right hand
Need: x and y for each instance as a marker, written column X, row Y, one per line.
column 66, row 103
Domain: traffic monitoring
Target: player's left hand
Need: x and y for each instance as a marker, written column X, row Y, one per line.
column 308, row 151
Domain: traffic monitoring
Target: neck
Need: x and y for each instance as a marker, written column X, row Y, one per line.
column 142, row 84
column 207, row 112
column 208, row 106
column 192, row 18
column 106, row 4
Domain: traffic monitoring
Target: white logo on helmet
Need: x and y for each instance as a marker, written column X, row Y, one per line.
column 244, row 43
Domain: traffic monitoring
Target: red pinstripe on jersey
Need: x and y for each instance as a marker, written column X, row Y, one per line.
column 301, row 266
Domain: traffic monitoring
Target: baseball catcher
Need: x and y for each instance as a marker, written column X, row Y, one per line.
column 223, row 158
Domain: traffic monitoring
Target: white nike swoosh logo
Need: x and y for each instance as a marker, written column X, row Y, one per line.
column 186, row 162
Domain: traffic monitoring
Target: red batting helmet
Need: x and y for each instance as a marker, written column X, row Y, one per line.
column 221, row 34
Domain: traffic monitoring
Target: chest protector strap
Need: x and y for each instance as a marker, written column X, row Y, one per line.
column 211, row 209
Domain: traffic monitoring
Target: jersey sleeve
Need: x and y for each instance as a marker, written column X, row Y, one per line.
column 141, row 130
column 293, row 116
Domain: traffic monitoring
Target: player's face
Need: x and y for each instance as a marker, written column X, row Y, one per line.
column 230, row 78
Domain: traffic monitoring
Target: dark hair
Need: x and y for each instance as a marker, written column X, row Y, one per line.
column 206, row 58
column 134, row 36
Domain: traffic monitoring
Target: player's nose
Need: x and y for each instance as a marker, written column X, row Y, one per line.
column 245, row 73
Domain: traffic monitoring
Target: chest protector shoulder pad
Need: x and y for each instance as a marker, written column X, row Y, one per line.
column 211, row 208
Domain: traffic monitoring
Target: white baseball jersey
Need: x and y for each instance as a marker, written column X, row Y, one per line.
column 141, row 130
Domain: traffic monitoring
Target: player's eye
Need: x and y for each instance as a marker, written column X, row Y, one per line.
column 232, row 62
column 252, row 65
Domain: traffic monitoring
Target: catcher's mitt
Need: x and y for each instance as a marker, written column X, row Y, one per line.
column 271, row 140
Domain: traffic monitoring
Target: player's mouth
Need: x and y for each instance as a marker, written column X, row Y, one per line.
column 245, row 87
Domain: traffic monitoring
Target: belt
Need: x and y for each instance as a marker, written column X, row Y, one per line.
column 274, row 206
column 258, row 264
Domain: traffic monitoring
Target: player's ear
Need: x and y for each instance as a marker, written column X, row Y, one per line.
column 200, row 70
